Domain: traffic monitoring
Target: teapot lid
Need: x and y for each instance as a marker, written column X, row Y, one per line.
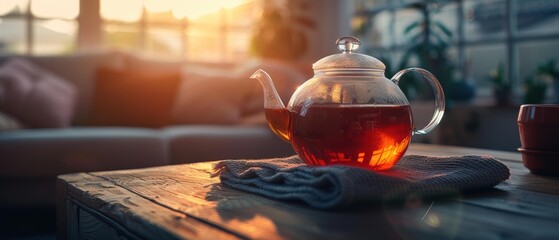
column 348, row 59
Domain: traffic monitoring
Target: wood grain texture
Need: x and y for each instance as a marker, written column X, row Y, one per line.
column 136, row 213
column 91, row 228
column 182, row 201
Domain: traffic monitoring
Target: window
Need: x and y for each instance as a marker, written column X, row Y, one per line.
column 38, row 27
column 519, row 34
column 215, row 30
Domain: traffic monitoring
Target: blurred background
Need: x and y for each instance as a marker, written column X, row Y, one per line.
column 491, row 56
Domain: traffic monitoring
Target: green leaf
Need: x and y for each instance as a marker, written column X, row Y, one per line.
column 444, row 29
column 549, row 68
column 411, row 27
column 442, row 42
column 416, row 38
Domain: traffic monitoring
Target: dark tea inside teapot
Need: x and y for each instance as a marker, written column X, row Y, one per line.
column 348, row 113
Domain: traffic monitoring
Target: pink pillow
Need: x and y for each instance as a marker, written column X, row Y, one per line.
column 34, row 96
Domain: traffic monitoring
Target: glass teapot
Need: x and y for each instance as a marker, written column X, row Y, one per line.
column 348, row 113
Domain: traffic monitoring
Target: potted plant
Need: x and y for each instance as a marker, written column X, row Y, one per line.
column 501, row 87
column 549, row 72
column 534, row 90
column 407, row 83
column 281, row 34
column 464, row 90
column 429, row 41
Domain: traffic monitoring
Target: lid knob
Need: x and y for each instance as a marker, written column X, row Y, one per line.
column 348, row 58
column 348, row 44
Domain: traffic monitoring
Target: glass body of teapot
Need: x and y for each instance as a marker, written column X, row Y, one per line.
column 348, row 113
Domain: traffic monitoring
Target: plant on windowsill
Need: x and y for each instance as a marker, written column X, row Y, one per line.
column 464, row 90
column 429, row 41
column 549, row 72
column 281, row 34
column 408, row 85
column 535, row 86
column 502, row 89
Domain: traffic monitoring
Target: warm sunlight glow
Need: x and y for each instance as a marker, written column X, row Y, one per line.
column 122, row 10
column 193, row 9
column 6, row 6
column 256, row 221
column 158, row 5
column 59, row 26
column 131, row 10
column 67, row 9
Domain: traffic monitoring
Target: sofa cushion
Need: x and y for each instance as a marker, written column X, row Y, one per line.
column 8, row 122
column 154, row 64
column 229, row 96
column 197, row 143
column 79, row 70
column 35, row 96
column 46, row 153
column 134, row 97
column 210, row 98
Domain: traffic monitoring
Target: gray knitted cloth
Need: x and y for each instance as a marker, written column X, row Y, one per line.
column 339, row 186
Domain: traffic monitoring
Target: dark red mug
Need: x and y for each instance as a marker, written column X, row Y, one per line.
column 538, row 125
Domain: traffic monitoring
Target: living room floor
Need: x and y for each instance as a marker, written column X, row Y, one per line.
column 38, row 223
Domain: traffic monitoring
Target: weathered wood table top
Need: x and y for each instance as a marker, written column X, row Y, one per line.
column 183, row 202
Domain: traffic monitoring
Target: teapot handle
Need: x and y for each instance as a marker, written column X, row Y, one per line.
column 439, row 98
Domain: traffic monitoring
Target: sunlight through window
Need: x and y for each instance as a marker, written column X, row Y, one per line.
column 59, row 26
column 193, row 9
column 66, row 9
column 209, row 30
column 188, row 29
column 13, row 6
column 122, row 10
column 158, row 5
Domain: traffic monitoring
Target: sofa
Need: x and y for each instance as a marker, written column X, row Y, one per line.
column 214, row 112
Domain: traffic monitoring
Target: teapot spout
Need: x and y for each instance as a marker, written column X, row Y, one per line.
column 272, row 99
column 276, row 113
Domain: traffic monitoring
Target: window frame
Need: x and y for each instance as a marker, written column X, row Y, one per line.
column 225, row 26
column 91, row 27
column 512, row 39
column 30, row 20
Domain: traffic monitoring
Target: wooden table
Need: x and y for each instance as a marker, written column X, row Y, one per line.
column 183, row 202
